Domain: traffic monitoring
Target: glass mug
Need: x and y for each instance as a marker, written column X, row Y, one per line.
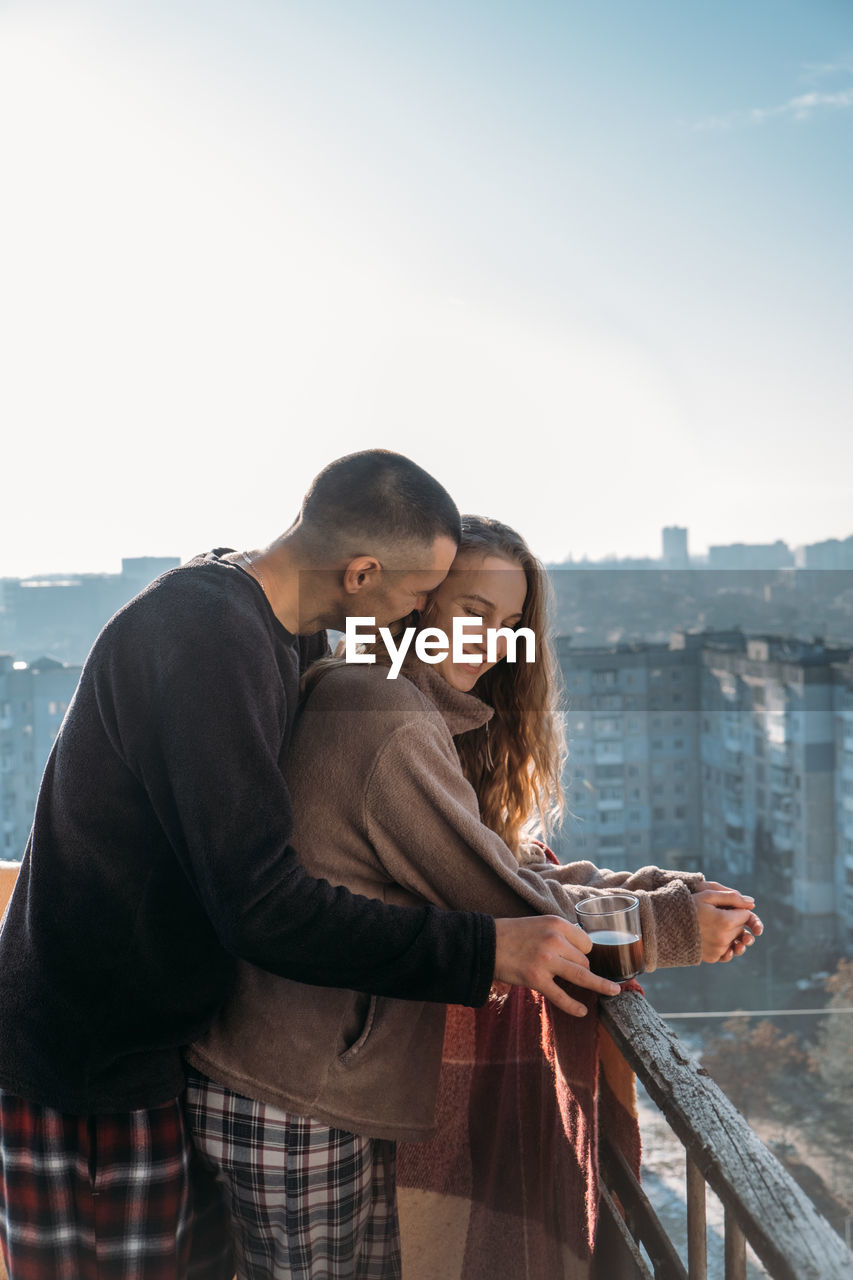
column 613, row 924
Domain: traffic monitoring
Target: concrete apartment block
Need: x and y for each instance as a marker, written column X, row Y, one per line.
column 843, row 714
column 33, row 700
column 632, row 777
column 721, row 752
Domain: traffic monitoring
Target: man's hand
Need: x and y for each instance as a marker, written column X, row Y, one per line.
column 534, row 950
column 727, row 923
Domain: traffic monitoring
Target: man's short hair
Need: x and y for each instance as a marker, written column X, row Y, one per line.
column 376, row 499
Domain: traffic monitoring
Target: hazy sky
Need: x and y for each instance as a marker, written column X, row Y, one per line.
column 589, row 263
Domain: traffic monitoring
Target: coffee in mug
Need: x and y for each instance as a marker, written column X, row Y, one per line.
column 613, row 924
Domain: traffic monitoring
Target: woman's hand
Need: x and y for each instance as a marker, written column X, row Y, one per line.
column 727, row 922
column 532, row 951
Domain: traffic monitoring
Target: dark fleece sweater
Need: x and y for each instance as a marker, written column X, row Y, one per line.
column 159, row 854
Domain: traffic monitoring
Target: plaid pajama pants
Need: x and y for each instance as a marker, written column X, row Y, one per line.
column 307, row 1202
column 107, row 1197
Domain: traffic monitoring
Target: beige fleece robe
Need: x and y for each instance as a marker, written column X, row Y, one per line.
column 381, row 805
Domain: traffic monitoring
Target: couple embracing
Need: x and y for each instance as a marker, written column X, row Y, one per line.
column 225, row 964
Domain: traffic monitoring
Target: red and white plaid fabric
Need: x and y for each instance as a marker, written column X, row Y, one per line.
column 307, row 1202
column 107, row 1197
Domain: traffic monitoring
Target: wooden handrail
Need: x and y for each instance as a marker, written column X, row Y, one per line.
column 761, row 1199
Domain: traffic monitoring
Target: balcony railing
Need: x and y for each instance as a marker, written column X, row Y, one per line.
column 762, row 1202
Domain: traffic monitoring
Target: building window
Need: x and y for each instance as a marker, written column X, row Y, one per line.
column 611, row 793
column 608, row 771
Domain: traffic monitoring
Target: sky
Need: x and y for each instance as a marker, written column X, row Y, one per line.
column 590, row 264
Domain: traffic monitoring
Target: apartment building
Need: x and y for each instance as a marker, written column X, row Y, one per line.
column 843, row 709
column 723, row 752
column 63, row 615
column 33, row 699
column 633, row 773
column 769, row 771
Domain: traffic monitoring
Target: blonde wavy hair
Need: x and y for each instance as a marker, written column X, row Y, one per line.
column 514, row 762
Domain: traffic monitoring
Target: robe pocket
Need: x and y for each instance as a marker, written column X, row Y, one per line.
column 368, row 1019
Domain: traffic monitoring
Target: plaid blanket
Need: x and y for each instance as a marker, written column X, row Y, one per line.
column 508, row 1188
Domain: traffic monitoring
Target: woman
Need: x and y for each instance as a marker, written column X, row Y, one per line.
column 406, row 790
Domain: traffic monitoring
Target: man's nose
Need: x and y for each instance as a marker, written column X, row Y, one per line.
column 420, row 601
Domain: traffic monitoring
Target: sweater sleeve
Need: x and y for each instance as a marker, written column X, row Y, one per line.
column 206, row 748
column 423, row 820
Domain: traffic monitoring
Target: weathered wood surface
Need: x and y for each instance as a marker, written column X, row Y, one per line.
column 697, row 1225
column 780, row 1222
column 643, row 1221
column 630, row 1263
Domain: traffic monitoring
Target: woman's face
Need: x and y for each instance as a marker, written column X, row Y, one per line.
column 483, row 586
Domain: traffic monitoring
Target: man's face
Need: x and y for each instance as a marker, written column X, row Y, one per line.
column 396, row 592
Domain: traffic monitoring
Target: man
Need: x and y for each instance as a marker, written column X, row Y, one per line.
column 159, row 853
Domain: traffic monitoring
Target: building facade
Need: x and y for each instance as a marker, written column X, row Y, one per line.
column 843, row 709
column 63, row 615
column 674, row 553
column 723, row 752
column 633, row 779
column 33, row 700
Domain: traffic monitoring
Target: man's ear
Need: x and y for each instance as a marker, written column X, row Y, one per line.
column 361, row 572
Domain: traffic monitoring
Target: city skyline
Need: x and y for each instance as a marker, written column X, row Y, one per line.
column 696, row 558
column 588, row 266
